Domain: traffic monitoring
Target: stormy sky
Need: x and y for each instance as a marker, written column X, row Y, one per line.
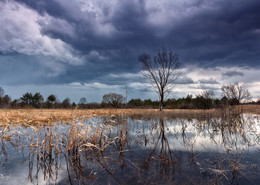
column 86, row 48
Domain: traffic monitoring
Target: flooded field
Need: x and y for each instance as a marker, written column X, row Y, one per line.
column 134, row 149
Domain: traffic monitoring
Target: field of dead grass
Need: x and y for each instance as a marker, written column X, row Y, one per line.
column 49, row 116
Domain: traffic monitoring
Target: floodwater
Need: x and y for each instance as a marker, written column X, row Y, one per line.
column 134, row 150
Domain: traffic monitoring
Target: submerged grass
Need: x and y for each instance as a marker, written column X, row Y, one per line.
column 38, row 117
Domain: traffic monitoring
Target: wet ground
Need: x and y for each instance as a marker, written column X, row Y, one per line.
column 134, row 150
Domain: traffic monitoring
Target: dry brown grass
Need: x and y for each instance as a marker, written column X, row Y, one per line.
column 28, row 117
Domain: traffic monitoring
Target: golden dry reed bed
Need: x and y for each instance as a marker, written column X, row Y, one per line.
column 49, row 116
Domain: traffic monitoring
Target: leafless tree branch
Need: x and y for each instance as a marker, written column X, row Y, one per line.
column 162, row 71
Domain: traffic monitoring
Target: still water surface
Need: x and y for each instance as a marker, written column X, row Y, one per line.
column 135, row 150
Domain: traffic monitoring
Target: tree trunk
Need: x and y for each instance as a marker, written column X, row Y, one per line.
column 161, row 102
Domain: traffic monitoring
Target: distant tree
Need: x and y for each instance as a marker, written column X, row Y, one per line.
column 185, row 103
column 94, row 105
column 162, row 71
column 6, row 101
column 82, row 102
column 224, row 100
column 15, row 103
column 136, row 102
column 51, row 99
column 217, row 102
column 148, row 102
column 74, row 105
column 205, row 99
column 37, row 100
column 208, row 94
column 27, row 98
column 189, row 98
column 2, row 92
column 113, row 99
column 66, row 103
column 236, row 93
column 170, row 103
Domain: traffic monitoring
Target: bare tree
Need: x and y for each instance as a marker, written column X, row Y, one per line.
column 207, row 94
column 162, row 71
column 82, row 102
column 113, row 99
column 205, row 100
column 236, row 93
column 66, row 103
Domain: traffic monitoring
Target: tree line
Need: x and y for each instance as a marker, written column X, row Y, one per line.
column 204, row 100
column 233, row 94
column 29, row 100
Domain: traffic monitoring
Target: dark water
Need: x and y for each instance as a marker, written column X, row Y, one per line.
column 135, row 150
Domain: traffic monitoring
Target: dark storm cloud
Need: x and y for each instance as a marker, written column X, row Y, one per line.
column 233, row 73
column 208, row 81
column 22, row 69
column 111, row 35
column 184, row 80
column 205, row 87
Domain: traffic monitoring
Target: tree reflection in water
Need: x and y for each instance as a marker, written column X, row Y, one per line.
column 139, row 150
column 161, row 155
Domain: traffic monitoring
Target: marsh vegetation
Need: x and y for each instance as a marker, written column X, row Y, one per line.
column 134, row 147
